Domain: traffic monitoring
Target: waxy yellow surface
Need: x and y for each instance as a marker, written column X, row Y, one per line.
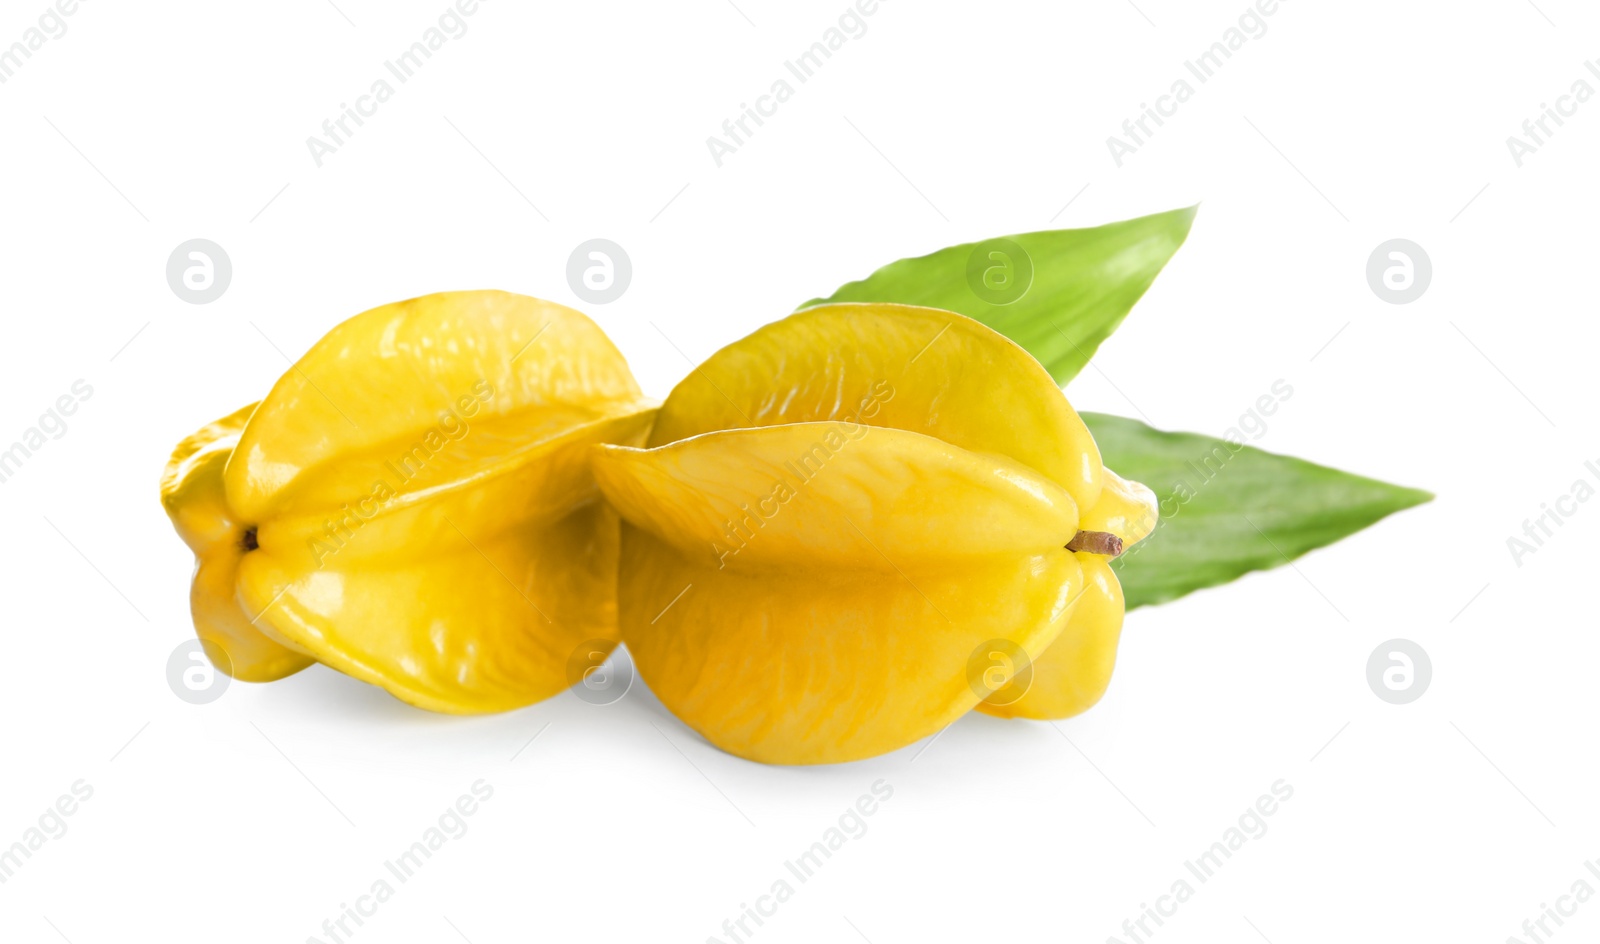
column 418, row 490
column 835, row 513
column 191, row 491
column 1075, row 670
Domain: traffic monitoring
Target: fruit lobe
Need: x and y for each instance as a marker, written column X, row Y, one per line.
column 810, row 493
column 192, row 493
column 1075, row 671
column 823, row 665
column 962, row 383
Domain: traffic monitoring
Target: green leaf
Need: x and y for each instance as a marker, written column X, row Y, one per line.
column 1229, row 509
column 1058, row 293
column 1226, row 509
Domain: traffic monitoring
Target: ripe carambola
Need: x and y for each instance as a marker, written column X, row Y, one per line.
column 836, row 514
column 412, row 504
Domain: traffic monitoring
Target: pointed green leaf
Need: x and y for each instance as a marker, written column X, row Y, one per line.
column 1229, row 509
column 1058, row 293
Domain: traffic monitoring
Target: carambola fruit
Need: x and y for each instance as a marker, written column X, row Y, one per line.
column 837, row 518
column 412, row 504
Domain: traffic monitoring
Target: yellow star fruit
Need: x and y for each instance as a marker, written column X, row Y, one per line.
column 412, row 504
column 834, row 517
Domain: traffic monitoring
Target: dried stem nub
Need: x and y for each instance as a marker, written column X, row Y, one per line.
column 1096, row 542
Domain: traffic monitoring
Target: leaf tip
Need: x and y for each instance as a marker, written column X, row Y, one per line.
column 1417, row 496
column 1187, row 215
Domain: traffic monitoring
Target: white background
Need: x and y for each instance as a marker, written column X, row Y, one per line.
column 255, row 817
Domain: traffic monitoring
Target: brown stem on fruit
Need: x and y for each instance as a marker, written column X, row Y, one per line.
column 1096, row 542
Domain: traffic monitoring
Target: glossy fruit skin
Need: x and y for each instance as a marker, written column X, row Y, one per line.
column 412, row 504
column 934, row 474
column 1075, row 671
column 192, row 493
